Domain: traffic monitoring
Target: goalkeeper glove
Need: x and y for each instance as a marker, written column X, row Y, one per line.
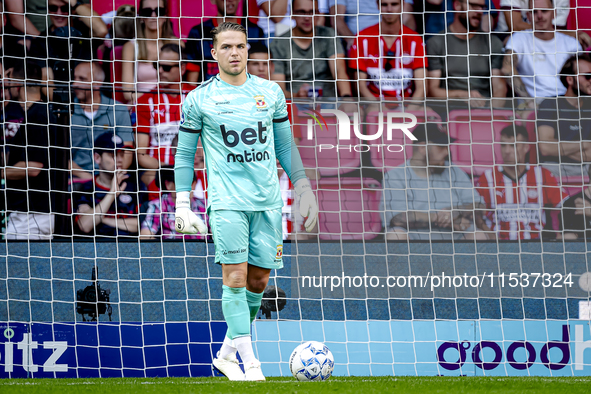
column 186, row 221
column 308, row 204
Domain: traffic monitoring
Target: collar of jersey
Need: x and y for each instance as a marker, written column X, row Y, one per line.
column 248, row 78
column 527, row 168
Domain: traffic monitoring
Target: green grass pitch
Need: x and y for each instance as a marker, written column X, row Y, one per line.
column 340, row 385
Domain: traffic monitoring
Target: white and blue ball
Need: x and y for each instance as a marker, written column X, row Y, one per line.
column 311, row 361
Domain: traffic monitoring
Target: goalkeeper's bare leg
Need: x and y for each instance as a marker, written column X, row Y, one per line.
column 244, row 285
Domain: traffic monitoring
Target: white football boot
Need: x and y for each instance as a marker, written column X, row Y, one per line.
column 229, row 367
column 253, row 371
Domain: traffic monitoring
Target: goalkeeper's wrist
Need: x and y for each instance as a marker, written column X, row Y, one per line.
column 302, row 186
column 183, row 200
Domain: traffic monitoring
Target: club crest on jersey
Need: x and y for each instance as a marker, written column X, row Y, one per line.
column 279, row 252
column 532, row 193
column 260, row 101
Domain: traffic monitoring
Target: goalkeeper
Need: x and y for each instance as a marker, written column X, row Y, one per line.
column 243, row 123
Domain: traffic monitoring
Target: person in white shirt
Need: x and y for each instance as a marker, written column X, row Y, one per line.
column 272, row 13
column 538, row 56
column 274, row 16
column 514, row 18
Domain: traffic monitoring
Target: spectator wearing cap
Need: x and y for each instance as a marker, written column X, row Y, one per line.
column 426, row 198
column 108, row 206
column 94, row 115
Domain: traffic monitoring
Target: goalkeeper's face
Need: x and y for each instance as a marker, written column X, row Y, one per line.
column 231, row 52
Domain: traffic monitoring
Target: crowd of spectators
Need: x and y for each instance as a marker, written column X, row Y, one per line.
column 91, row 108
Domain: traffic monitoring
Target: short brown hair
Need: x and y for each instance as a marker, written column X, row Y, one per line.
column 512, row 131
column 570, row 68
column 226, row 26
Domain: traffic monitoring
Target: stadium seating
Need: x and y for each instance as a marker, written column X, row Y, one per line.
column 349, row 208
column 330, row 162
column 383, row 159
column 475, row 132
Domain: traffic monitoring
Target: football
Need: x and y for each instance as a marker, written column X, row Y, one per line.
column 311, row 361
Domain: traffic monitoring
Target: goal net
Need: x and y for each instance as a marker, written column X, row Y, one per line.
column 448, row 146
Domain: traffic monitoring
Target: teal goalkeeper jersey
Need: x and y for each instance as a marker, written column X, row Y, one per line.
column 243, row 130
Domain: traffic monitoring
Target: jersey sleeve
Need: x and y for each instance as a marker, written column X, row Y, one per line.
column 554, row 195
column 190, row 115
column 420, row 55
column 84, row 196
column 143, row 116
column 189, row 132
column 464, row 191
column 482, row 188
column 356, row 62
column 285, row 149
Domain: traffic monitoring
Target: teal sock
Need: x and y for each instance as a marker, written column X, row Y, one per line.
column 254, row 303
column 236, row 312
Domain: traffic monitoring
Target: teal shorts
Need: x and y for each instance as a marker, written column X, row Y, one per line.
column 253, row 237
